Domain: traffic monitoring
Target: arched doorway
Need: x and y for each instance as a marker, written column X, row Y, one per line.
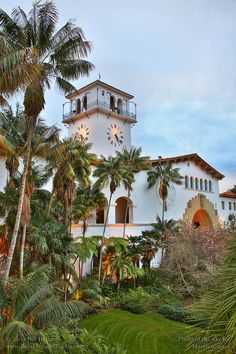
column 202, row 219
column 121, row 205
column 201, row 211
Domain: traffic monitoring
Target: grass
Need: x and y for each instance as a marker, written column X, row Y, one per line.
column 149, row 333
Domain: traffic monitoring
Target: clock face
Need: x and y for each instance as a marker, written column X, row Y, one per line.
column 83, row 133
column 115, row 135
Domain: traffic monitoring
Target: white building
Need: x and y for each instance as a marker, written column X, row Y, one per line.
column 104, row 115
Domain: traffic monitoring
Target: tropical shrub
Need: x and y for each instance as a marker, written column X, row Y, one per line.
column 136, row 301
column 33, row 303
column 216, row 312
column 62, row 340
column 174, row 313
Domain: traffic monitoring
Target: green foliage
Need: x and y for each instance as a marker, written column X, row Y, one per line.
column 136, row 301
column 216, row 312
column 174, row 313
column 69, row 339
column 32, row 303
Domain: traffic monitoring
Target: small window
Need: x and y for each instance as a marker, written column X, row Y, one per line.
column 201, row 184
column 234, row 206
column 103, row 93
column 210, row 186
column 191, row 182
column 186, row 181
column 223, row 205
column 230, row 205
column 205, row 182
column 196, row 183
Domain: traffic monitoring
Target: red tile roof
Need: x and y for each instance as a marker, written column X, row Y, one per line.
column 191, row 157
column 228, row 194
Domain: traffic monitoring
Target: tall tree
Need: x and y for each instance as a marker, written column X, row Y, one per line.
column 87, row 200
column 13, row 138
column 111, row 171
column 137, row 163
column 57, row 55
column 85, row 203
column 165, row 175
column 70, row 160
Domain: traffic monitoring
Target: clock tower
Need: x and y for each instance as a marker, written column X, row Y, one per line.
column 102, row 115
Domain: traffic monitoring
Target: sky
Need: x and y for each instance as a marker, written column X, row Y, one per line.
column 177, row 57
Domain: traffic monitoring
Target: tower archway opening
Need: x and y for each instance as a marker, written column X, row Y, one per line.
column 78, row 106
column 85, row 103
column 119, row 106
column 112, row 103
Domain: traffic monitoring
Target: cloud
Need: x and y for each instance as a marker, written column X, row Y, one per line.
column 177, row 58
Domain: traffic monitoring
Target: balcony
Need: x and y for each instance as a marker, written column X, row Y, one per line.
column 103, row 105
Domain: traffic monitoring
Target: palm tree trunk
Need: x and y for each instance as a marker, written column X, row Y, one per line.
column 163, row 210
column 102, row 240
column 118, row 285
column 126, row 213
column 50, row 204
column 20, row 204
column 22, row 248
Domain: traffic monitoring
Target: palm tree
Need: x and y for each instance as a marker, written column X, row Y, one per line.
column 56, row 55
column 13, row 137
column 121, row 267
column 71, row 161
column 110, row 171
column 85, row 203
column 161, row 232
column 215, row 313
column 137, row 163
column 166, row 175
column 33, row 303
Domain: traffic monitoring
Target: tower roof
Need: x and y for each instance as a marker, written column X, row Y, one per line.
column 101, row 84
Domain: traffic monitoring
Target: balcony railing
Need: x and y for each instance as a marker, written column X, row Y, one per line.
column 100, row 104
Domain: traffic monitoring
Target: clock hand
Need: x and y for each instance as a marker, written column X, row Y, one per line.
column 116, row 137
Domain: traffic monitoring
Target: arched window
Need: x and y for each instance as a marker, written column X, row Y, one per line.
column 119, row 106
column 196, row 183
column 186, row 181
column 101, row 213
column 85, row 103
column 78, row 106
column 112, row 103
column 191, row 182
column 122, row 213
column 201, row 184
column 205, row 182
column 210, row 186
